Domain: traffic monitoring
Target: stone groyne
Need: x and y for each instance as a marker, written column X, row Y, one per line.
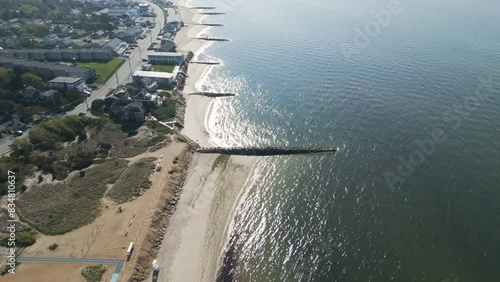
column 212, row 13
column 210, row 24
column 204, row 63
column 266, row 151
column 212, row 39
column 212, row 94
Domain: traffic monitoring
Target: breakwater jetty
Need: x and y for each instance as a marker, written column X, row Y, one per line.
column 211, row 13
column 202, row 8
column 210, row 24
column 204, row 63
column 212, row 39
column 266, row 151
column 212, row 94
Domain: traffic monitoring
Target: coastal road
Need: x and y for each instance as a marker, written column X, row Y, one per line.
column 131, row 64
column 5, row 144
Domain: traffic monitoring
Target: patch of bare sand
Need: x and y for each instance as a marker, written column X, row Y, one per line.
column 191, row 250
column 105, row 237
column 54, row 272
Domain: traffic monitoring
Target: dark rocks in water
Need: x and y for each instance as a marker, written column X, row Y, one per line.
column 267, row 151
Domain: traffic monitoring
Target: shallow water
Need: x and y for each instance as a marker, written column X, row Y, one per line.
column 413, row 194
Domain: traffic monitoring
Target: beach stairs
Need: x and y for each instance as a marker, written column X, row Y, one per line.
column 183, row 73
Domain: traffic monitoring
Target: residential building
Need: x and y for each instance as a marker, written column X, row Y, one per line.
column 100, row 54
column 50, row 39
column 165, row 58
column 145, row 97
column 147, row 83
column 99, row 44
column 65, row 31
column 116, row 46
column 52, row 55
column 38, row 55
column 127, row 109
column 164, row 79
column 114, row 33
column 78, row 33
column 98, row 34
column 143, row 9
column 75, row 12
column 69, row 55
column 65, row 43
column 167, row 45
column 49, row 96
column 65, row 82
column 48, row 70
column 131, row 34
column 29, row 95
column 85, row 55
column 116, row 13
column 134, row 111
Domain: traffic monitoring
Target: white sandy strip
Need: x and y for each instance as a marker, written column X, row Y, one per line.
column 193, row 245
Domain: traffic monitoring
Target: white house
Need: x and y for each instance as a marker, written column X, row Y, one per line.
column 164, row 79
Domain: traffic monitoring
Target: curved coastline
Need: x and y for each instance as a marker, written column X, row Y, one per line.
column 195, row 242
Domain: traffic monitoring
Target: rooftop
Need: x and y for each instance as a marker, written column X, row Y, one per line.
column 153, row 74
column 165, row 54
column 65, row 79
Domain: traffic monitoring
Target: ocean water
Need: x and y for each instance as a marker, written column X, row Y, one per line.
column 410, row 93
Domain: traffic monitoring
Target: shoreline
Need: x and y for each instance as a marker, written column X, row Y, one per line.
column 195, row 242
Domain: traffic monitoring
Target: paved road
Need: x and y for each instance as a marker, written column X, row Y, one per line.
column 134, row 62
column 5, row 144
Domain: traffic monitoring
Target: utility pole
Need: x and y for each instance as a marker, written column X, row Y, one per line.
column 86, row 103
column 130, row 66
column 117, row 82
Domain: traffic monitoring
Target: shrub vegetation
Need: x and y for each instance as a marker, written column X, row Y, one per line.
column 132, row 182
column 93, row 273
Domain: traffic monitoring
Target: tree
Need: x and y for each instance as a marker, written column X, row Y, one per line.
column 98, row 105
column 21, row 147
column 36, row 29
column 34, row 80
column 7, row 106
column 5, row 77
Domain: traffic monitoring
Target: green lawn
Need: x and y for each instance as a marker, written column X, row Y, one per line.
column 163, row 68
column 103, row 70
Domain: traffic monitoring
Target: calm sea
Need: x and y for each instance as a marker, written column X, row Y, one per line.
column 410, row 93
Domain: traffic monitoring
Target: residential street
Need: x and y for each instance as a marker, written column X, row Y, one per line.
column 124, row 74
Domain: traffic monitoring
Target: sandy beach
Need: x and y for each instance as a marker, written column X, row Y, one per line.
column 193, row 246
